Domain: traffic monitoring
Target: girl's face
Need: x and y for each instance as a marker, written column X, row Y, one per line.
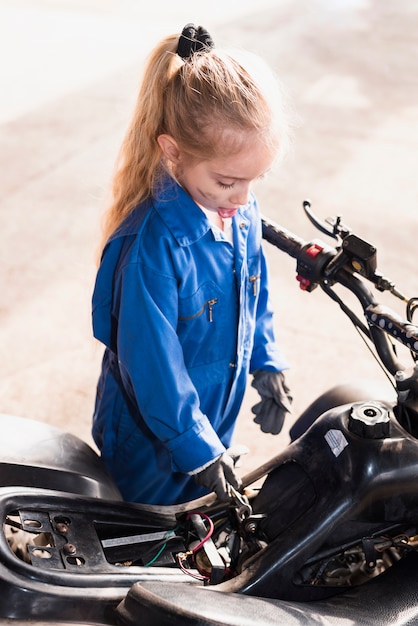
column 224, row 184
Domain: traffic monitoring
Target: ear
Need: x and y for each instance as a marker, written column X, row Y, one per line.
column 169, row 148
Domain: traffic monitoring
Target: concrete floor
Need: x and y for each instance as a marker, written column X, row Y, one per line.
column 68, row 77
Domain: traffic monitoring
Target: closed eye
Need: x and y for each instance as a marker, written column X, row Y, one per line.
column 225, row 186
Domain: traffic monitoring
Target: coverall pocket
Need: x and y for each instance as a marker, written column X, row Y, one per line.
column 204, row 328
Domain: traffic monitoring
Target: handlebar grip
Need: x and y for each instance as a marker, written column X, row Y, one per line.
column 282, row 238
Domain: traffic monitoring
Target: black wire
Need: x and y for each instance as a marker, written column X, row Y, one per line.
column 352, row 316
column 411, row 307
column 359, row 326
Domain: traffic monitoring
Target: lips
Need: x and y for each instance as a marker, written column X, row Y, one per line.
column 226, row 213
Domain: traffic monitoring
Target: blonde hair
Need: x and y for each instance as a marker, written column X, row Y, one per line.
column 198, row 102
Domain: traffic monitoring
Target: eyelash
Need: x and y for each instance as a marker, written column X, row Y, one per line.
column 225, row 186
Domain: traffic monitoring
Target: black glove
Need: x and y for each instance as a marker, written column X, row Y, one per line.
column 218, row 476
column 275, row 401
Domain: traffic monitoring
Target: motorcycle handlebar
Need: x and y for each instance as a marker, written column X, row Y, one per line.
column 318, row 263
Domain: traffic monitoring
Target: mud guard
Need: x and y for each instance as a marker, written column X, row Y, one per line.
column 35, row 454
column 384, row 600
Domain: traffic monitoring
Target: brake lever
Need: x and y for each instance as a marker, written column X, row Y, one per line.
column 337, row 231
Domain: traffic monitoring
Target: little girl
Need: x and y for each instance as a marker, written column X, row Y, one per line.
column 181, row 296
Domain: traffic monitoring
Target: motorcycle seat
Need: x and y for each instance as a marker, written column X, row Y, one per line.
column 392, row 598
column 36, row 454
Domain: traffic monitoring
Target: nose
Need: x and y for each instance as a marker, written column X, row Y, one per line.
column 241, row 195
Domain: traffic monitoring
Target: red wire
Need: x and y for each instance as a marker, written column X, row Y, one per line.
column 189, row 573
column 210, row 531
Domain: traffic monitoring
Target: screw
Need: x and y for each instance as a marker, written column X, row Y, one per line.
column 62, row 528
column 251, row 527
column 69, row 548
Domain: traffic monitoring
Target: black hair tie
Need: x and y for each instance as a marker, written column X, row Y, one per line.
column 194, row 39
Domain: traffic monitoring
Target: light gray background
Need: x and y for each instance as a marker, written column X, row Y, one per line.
column 69, row 73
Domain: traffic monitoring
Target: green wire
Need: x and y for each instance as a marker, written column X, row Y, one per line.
column 163, row 547
column 160, row 551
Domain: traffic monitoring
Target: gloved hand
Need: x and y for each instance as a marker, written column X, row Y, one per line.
column 218, row 475
column 275, row 401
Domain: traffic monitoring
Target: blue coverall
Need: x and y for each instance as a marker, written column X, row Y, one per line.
column 184, row 316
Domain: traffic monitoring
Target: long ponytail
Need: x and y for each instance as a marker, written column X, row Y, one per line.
column 138, row 164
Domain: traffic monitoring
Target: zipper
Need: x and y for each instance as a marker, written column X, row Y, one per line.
column 209, row 304
column 253, row 280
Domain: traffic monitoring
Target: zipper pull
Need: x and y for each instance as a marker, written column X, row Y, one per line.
column 253, row 280
column 211, row 304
